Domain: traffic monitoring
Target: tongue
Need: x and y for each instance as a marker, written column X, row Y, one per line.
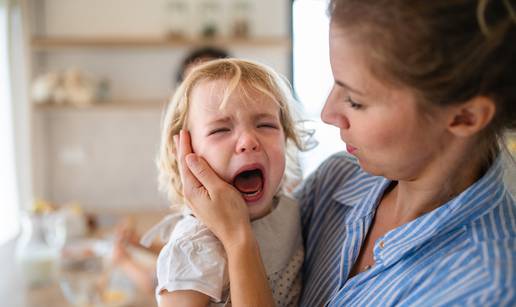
column 248, row 182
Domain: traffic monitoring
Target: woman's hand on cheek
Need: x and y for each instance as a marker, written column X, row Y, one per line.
column 213, row 201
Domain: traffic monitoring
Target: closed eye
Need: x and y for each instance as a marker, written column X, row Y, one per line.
column 218, row 130
column 353, row 104
column 268, row 125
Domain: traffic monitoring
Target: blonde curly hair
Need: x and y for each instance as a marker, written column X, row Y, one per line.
column 240, row 75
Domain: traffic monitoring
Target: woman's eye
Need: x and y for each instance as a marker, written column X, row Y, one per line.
column 353, row 104
column 218, row 130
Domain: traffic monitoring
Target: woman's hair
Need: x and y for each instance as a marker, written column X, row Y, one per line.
column 248, row 77
column 446, row 51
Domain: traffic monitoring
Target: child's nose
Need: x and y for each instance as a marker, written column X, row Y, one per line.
column 247, row 142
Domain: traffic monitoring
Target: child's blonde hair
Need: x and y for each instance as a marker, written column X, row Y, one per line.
column 240, row 75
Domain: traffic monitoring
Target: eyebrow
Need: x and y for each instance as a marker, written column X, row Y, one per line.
column 349, row 88
column 227, row 119
column 222, row 120
column 264, row 116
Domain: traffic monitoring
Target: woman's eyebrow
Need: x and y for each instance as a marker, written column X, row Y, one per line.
column 349, row 88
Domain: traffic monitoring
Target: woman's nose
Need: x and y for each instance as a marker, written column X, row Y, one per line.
column 247, row 142
column 333, row 114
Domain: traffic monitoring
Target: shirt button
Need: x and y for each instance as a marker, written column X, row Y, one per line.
column 382, row 244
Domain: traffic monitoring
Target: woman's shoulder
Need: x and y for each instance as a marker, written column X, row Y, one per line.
column 339, row 178
column 336, row 170
column 494, row 239
column 497, row 225
column 337, row 164
column 491, row 208
column 339, row 160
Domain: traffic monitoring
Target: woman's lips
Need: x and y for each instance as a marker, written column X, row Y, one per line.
column 350, row 148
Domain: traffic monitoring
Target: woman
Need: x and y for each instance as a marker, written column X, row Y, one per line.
column 418, row 214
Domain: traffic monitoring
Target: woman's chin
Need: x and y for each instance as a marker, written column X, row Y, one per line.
column 376, row 171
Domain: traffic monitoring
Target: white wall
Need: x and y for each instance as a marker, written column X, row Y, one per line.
column 137, row 74
column 106, row 158
column 149, row 17
column 103, row 158
column 144, row 73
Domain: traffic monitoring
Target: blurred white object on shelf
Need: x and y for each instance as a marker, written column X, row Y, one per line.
column 72, row 86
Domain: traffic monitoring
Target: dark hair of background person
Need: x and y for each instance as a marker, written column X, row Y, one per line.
column 446, row 52
column 200, row 55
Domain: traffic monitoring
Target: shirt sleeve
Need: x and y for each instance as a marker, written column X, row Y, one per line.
column 193, row 259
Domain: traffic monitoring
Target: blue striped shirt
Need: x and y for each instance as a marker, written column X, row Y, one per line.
column 462, row 253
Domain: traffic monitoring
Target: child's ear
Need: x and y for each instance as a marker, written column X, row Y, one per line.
column 471, row 117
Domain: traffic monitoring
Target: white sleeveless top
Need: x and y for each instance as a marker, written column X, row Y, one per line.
column 194, row 259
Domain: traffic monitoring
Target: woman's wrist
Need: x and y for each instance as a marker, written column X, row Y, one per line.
column 240, row 240
column 249, row 285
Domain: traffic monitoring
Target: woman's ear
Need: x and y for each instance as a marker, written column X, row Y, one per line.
column 472, row 116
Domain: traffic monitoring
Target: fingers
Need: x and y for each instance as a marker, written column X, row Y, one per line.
column 204, row 174
column 184, row 148
column 177, row 153
column 192, row 188
column 199, row 179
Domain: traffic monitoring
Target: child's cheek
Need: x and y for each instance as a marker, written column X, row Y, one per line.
column 196, row 142
column 216, row 159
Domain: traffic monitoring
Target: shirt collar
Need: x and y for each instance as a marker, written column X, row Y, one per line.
column 477, row 200
column 361, row 195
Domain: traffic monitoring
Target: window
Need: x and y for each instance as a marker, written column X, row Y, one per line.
column 15, row 175
column 8, row 197
column 312, row 77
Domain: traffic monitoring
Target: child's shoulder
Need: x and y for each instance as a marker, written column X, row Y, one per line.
column 193, row 259
column 190, row 228
column 191, row 243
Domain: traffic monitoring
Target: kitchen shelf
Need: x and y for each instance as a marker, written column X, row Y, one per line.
column 105, row 106
column 51, row 43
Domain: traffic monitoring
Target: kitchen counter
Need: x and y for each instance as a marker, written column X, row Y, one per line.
column 14, row 292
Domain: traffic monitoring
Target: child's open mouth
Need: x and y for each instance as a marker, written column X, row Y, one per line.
column 250, row 184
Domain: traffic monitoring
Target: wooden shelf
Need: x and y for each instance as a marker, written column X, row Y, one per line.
column 48, row 43
column 106, row 106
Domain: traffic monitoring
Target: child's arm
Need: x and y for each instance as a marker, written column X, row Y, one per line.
column 141, row 275
column 186, row 298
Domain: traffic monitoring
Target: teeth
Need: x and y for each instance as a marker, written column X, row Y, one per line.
column 252, row 194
